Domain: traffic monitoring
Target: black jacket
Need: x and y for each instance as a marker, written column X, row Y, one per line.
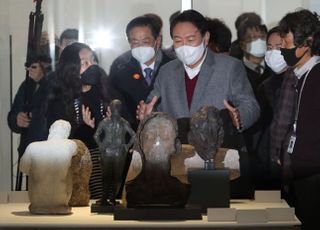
column 127, row 78
column 37, row 131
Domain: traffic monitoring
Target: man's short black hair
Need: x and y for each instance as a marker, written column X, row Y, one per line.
column 69, row 34
column 174, row 15
column 192, row 16
column 305, row 27
column 142, row 21
column 274, row 30
column 156, row 17
column 250, row 17
column 245, row 26
column 220, row 34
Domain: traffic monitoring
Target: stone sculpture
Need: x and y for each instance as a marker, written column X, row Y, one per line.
column 81, row 167
column 47, row 163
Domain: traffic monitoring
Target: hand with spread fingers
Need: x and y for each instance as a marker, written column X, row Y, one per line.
column 144, row 109
column 86, row 116
column 234, row 114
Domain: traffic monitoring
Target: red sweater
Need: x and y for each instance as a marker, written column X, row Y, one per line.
column 190, row 85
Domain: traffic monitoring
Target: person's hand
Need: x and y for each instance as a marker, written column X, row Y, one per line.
column 279, row 162
column 23, row 120
column 108, row 112
column 234, row 114
column 144, row 109
column 86, row 116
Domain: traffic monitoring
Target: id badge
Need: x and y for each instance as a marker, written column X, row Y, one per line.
column 291, row 144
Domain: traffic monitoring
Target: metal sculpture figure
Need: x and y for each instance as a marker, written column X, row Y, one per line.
column 113, row 148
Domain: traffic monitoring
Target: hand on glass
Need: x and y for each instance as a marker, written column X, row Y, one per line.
column 144, row 109
column 234, row 114
column 108, row 112
column 86, row 116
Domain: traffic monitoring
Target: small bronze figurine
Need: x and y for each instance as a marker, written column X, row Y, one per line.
column 206, row 134
column 113, row 148
column 154, row 186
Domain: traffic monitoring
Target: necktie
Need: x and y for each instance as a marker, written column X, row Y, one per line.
column 148, row 77
column 259, row 69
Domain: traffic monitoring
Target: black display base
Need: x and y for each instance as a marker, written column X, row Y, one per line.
column 209, row 189
column 158, row 213
column 102, row 208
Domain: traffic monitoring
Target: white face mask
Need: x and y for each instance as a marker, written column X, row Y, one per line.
column 189, row 55
column 275, row 61
column 257, row 48
column 143, row 53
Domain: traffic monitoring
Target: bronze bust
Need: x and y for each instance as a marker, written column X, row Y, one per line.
column 206, row 133
column 156, row 142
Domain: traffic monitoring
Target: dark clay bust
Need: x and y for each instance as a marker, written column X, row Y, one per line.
column 206, row 133
column 156, row 142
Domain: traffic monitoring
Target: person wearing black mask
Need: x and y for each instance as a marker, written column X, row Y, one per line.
column 80, row 95
column 300, row 31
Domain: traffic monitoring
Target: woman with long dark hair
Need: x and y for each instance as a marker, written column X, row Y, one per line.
column 80, row 95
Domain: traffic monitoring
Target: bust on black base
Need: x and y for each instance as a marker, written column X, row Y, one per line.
column 154, row 186
column 154, row 193
column 210, row 187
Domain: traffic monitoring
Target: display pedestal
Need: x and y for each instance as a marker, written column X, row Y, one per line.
column 158, row 213
column 96, row 207
column 209, row 188
column 266, row 208
column 17, row 216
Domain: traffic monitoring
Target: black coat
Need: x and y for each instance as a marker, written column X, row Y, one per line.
column 127, row 78
column 37, row 130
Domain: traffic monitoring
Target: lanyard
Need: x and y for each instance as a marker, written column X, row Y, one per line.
column 299, row 98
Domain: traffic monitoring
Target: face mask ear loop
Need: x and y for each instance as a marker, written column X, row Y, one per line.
column 155, row 47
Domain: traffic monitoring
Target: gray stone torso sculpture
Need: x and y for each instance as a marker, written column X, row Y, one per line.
column 47, row 163
column 113, row 148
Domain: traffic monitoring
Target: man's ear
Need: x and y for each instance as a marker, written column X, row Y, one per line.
column 206, row 38
column 158, row 42
column 309, row 42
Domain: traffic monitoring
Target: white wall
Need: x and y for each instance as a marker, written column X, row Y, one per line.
column 271, row 11
column 110, row 15
column 13, row 21
column 4, row 100
column 107, row 15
